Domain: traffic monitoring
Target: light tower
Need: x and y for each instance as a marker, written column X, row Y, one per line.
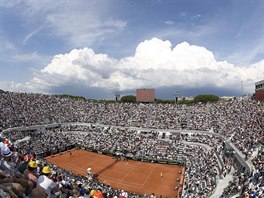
column 117, row 96
column 242, row 92
column 177, row 95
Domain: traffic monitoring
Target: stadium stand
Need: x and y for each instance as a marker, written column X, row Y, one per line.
column 217, row 138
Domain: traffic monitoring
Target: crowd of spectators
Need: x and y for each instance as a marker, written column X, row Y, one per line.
column 201, row 173
column 249, row 184
column 240, row 121
column 26, row 175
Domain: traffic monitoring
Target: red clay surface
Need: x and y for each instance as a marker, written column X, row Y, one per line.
column 132, row 176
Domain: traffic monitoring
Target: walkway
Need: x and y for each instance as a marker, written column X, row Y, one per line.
column 222, row 184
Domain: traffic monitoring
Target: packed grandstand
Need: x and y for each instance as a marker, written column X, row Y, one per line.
column 217, row 139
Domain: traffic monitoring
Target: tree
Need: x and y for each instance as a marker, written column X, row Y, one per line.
column 128, row 98
column 186, row 102
column 206, row 98
column 72, row 97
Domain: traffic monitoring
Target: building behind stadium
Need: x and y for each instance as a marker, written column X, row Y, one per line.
column 259, row 90
column 145, row 95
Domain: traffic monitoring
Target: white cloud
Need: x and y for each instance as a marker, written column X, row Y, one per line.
column 12, row 55
column 83, row 29
column 77, row 23
column 169, row 22
column 30, row 35
column 155, row 64
column 13, row 86
column 196, row 32
column 34, row 56
column 249, row 54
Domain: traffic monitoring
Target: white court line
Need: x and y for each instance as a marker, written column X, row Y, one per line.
column 78, row 159
column 135, row 167
column 76, row 167
column 127, row 174
column 139, row 168
column 69, row 164
column 147, row 179
column 127, row 183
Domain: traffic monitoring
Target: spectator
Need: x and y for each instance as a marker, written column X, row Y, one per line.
column 30, row 172
column 45, row 182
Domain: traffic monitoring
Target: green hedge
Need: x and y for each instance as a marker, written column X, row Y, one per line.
column 206, row 98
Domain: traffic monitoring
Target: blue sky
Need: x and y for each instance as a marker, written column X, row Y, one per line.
column 100, row 47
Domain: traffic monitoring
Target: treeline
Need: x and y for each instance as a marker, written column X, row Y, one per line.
column 70, row 96
column 132, row 99
column 200, row 98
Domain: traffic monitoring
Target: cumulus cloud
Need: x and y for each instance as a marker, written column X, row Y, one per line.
column 155, row 64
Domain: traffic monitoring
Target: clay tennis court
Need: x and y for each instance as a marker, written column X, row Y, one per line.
column 132, row 176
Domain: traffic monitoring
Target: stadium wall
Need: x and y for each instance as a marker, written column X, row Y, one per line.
column 260, row 94
column 259, row 90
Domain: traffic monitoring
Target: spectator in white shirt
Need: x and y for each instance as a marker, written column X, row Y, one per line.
column 45, row 182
